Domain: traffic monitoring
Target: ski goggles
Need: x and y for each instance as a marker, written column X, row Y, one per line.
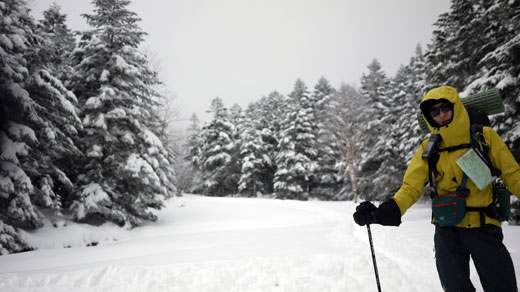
column 445, row 107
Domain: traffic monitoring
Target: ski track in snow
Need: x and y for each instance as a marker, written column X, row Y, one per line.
column 237, row 244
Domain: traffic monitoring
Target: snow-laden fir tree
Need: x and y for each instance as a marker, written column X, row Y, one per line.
column 328, row 180
column 193, row 141
column 254, row 159
column 217, row 161
column 237, row 119
column 271, row 111
column 188, row 169
column 17, row 110
column 500, row 68
column 458, row 43
column 403, row 133
column 296, row 158
column 126, row 170
column 56, row 44
column 377, row 172
column 59, row 42
column 408, row 88
column 37, row 121
column 268, row 113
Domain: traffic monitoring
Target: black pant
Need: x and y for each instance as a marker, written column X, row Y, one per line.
column 455, row 245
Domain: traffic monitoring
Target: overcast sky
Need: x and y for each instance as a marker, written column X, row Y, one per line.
column 241, row 50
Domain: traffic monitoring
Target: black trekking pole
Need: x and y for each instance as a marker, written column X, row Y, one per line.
column 373, row 257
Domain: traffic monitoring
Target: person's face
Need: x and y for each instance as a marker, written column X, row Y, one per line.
column 442, row 113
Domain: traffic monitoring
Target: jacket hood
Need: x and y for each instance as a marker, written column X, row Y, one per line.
column 457, row 131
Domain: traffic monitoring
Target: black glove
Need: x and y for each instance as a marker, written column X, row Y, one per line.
column 365, row 213
column 388, row 213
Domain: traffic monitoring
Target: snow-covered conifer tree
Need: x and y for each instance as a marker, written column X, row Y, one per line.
column 403, row 134
column 271, row 111
column 377, row 173
column 408, row 88
column 37, row 121
column 327, row 179
column 17, row 109
column 458, row 43
column 59, row 42
column 268, row 113
column 126, row 170
column 296, row 157
column 252, row 180
column 237, row 117
column 188, row 168
column 194, row 141
column 500, row 68
column 217, row 153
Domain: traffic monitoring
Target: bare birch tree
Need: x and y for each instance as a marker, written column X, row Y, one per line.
column 346, row 115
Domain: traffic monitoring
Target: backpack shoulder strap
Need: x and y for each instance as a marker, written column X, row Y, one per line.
column 480, row 145
column 432, row 156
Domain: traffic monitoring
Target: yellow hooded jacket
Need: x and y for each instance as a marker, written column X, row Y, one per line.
column 450, row 174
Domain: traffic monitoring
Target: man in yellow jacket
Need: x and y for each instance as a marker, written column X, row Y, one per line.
column 477, row 235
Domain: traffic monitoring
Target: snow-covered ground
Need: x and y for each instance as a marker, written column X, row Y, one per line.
column 235, row 244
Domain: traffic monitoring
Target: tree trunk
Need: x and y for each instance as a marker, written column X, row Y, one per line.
column 352, row 174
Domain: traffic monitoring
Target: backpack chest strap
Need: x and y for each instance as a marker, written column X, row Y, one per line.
column 455, row 148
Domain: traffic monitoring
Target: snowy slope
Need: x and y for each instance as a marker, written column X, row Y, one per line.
column 235, row 244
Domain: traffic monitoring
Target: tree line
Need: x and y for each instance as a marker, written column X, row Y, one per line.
column 342, row 143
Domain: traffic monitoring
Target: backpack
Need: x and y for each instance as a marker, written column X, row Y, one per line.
column 499, row 208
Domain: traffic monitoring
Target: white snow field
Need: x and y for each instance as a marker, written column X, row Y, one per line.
column 235, row 244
